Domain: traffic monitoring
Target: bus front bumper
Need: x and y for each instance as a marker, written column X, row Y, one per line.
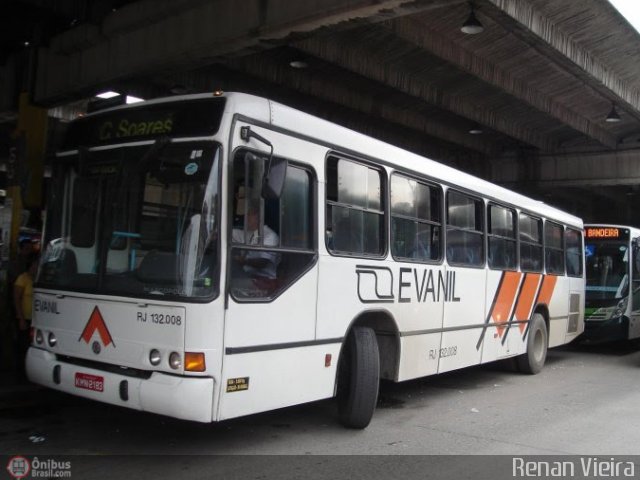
column 600, row 331
column 187, row 398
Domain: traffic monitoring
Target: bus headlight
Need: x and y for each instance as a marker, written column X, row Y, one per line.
column 155, row 357
column 175, row 361
column 39, row 337
column 52, row 340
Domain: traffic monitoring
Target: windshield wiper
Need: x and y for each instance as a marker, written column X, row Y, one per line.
column 153, row 152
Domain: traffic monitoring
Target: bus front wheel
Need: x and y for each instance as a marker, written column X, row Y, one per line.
column 537, row 342
column 358, row 378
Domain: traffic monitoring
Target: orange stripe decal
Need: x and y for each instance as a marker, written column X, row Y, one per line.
column 505, row 299
column 546, row 291
column 527, row 297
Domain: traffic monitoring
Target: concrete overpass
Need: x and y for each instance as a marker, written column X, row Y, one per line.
column 522, row 103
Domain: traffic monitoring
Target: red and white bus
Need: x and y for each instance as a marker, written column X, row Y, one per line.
column 213, row 256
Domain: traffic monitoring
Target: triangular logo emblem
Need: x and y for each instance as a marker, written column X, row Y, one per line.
column 96, row 322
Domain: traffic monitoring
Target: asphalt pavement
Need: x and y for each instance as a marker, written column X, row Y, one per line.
column 583, row 404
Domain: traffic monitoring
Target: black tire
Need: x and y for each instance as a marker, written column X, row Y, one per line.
column 634, row 343
column 537, row 343
column 358, row 378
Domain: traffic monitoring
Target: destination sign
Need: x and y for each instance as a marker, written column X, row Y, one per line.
column 609, row 233
column 190, row 118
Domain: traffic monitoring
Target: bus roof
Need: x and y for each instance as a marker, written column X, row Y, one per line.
column 342, row 138
column 291, row 119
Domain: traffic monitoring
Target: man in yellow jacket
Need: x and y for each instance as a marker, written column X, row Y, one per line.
column 22, row 299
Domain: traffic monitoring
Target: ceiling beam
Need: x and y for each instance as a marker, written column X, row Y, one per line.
column 380, row 106
column 413, row 31
column 260, row 73
column 319, row 101
column 621, row 167
column 553, row 38
column 366, row 60
column 150, row 35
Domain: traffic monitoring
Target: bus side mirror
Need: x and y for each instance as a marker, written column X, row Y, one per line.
column 273, row 178
column 276, row 172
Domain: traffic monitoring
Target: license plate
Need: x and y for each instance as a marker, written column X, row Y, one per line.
column 90, row 382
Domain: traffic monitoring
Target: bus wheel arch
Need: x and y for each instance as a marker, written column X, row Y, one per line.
column 533, row 360
column 359, row 367
column 543, row 310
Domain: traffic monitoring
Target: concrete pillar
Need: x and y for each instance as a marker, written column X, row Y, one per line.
column 24, row 190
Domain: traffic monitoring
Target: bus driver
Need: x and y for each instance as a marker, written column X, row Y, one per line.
column 259, row 266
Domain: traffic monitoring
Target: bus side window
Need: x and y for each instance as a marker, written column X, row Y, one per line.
column 465, row 230
column 272, row 240
column 553, row 248
column 573, row 252
column 530, row 243
column 502, row 238
column 416, row 219
column 355, row 208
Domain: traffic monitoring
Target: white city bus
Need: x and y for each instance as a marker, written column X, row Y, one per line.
column 160, row 291
column 612, row 303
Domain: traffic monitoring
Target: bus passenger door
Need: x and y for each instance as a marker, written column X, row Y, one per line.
column 634, row 321
column 272, row 283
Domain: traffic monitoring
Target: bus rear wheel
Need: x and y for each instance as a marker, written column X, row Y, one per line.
column 358, row 378
column 537, row 342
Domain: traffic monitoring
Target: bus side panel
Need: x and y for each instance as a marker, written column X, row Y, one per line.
column 464, row 307
column 349, row 288
column 289, row 318
column 405, row 297
column 576, row 308
column 502, row 337
column 634, row 312
column 204, row 333
column 261, row 368
column 260, row 381
column 419, row 312
column 634, row 293
column 558, row 310
column 419, row 355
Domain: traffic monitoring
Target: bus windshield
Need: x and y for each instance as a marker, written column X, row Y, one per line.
column 135, row 221
column 607, row 270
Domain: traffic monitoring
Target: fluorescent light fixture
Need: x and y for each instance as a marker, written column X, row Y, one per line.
column 131, row 99
column 613, row 116
column 108, row 94
column 472, row 25
column 299, row 64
